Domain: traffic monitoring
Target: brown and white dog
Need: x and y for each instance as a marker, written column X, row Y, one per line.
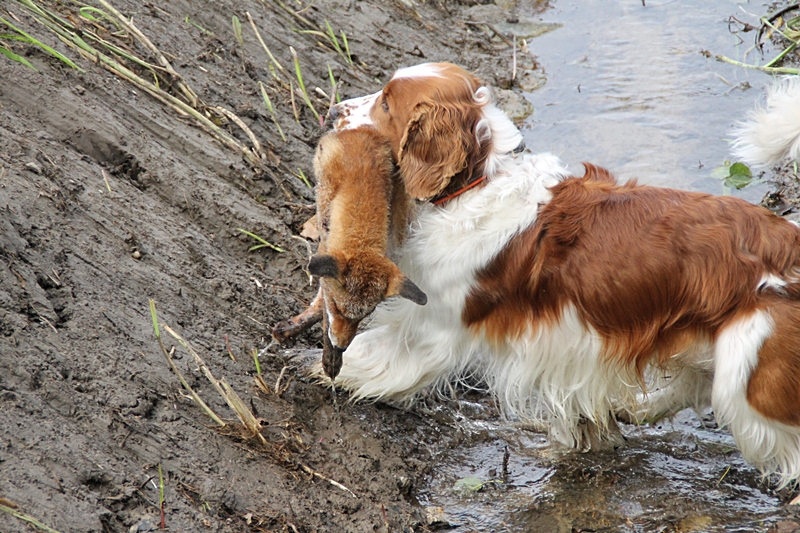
column 577, row 298
column 363, row 213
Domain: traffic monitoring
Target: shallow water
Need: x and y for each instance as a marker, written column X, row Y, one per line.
column 681, row 475
column 628, row 89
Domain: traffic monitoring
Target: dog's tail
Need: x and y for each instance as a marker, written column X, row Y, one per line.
column 771, row 133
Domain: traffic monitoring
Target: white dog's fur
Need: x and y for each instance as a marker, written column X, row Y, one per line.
column 772, row 133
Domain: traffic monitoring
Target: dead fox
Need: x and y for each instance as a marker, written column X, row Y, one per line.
column 362, row 214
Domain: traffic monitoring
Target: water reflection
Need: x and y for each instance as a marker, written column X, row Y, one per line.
column 629, row 89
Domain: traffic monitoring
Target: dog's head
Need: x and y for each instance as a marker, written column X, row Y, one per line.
column 440, row 122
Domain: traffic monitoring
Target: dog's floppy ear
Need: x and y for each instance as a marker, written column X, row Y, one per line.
column 400, row 285
column 326, row 265
column 434, row 148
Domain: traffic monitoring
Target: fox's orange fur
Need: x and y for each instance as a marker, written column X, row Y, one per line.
column 362, row 214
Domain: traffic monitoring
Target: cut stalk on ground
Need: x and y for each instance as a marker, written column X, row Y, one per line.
column 233, row 400
column 265, row 47
column 69, row 34
column 128, row 25
column 199, row 401
column 25, row 518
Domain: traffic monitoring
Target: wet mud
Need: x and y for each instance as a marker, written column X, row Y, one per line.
column 109, row 199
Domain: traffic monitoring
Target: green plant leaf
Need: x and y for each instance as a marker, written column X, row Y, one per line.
column 738, row 181
column 468, row 484
column 347, row 48
column 332, row 37
column 14, row 57
column 198, row 26
column 300, row 81
column 722, row 172
column 237, row 30
column 268, row 105
column 740, row 169
column 264, row 243
column 55, row 53
column 736, row 175
column 302, row 175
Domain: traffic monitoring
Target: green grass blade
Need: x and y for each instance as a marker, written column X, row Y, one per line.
column 160, row 485
column 332, row 37
column 55, row 53
column 88, row 12
column 333, row 84
column 265, row 96
column 297, row 70
column 10, row 37
column 14, row 57
column 331, row 76
column 347, row 48
column 48, row 15
column 237, row 30
column 29, row 519
column 154, row 318
column 263, row 242
column 268, row 105
column 198, row 26
column 302, row 176
column 299, row 74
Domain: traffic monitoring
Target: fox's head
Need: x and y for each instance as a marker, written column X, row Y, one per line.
column 352, row 287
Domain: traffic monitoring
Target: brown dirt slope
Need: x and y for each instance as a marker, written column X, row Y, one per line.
column 88, row 406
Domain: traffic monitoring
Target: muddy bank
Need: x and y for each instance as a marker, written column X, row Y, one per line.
column 109, row 198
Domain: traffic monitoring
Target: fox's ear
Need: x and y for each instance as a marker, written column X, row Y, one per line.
column 326, row 265
column 400, row 285
column 410, row 291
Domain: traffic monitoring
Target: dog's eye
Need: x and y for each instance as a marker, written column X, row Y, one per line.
column 385, row 105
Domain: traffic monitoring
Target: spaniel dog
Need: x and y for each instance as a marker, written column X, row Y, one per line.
column 576, row 299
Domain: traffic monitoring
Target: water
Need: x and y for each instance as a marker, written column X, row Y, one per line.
column 628, row 89
column 682, row 475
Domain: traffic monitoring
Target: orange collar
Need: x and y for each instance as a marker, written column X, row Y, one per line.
column 462, row 190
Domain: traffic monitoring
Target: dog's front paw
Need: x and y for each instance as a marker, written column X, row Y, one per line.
column 586, row 435
column 629, row 415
